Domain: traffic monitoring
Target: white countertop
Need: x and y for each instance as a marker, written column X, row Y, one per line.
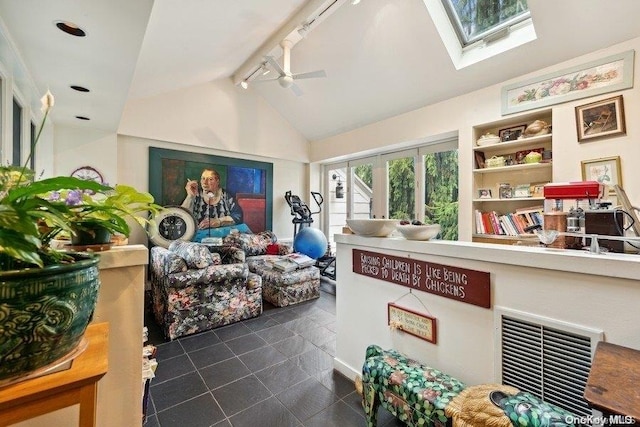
column 625, row 266
column 123, row 256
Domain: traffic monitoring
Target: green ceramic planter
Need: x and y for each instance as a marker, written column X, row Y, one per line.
column 44, row 314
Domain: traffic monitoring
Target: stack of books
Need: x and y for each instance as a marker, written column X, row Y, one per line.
column 293, row 261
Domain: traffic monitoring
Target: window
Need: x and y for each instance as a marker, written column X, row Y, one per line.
column 32, row 160
column 17, row 134
column 418, row 183
column 475, row 20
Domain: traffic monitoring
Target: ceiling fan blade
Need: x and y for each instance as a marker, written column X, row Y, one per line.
column 275, row 65
column 310, row 75
column 296, row 89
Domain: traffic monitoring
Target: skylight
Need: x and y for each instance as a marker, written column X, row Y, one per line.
column 475, row 30
column 475, row 20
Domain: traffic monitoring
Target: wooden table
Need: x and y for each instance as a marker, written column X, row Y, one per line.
column 76, row 385
column 614, row 381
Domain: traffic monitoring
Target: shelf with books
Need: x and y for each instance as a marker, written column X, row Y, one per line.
column 510, row 184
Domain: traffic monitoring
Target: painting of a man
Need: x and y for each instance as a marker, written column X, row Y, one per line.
column 210, row 204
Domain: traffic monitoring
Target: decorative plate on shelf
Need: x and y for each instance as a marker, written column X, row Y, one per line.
column 171, row 223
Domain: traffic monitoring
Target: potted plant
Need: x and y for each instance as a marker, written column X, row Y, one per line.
column 47, row 296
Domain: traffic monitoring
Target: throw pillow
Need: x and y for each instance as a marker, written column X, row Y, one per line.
column 196, row 255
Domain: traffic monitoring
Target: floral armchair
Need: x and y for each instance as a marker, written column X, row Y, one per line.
column 196, row 287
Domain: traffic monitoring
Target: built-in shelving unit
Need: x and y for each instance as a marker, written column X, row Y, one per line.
column 514, row 187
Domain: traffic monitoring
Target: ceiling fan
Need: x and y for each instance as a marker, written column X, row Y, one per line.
column 285, row 77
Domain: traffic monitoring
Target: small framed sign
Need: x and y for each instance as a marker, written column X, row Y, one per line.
column 417, row 324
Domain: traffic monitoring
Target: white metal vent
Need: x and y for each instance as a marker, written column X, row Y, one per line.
column 547, row 358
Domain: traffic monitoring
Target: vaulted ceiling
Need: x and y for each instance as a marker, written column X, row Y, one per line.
column 381, row 57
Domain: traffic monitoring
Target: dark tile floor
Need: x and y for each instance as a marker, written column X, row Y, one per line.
column 272, row 371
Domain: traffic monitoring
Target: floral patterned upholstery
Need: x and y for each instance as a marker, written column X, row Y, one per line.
column 282, row 289
column 278, row 288
column 190, row 300
column 256, row 244
column 419, row 395
column 415, row 394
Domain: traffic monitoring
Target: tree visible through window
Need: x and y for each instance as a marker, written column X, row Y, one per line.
column 476, row 19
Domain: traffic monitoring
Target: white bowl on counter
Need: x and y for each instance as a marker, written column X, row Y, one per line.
column 372, row 227
column 418, row 232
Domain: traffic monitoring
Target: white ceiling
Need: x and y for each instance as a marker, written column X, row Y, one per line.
column 382, row 57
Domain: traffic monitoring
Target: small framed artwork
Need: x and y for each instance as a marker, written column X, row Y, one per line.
column 512, row 133
column 537, row 189
column 601, row 119
column 484, row 193
column 605, row 171
column 522, row 191
column 480, row 159
column 505, row 191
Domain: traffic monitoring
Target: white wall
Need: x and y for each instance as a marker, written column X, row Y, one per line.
column 530, row 280
column 483, row 106
column 217, row 116
column 77, row 146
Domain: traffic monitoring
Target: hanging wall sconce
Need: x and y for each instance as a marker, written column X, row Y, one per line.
column 339, row 187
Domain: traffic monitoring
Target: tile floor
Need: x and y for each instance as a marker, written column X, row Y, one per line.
column 272, row 371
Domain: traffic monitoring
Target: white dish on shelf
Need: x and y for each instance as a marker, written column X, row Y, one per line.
column 372, row 227
column 418, row 232
column 488, row 139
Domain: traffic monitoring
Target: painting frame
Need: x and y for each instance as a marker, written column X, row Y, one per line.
column 511, row 133
column 601, row 119
column 169, row 171
column 605, row 75
column 605, row 170
column 485, row 193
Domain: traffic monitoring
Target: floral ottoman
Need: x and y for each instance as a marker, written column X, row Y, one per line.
column 282, row 289
column 415, row 394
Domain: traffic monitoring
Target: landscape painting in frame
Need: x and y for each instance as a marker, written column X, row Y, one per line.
column 249, row 182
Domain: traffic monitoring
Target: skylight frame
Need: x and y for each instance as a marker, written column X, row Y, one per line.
column 493, row 33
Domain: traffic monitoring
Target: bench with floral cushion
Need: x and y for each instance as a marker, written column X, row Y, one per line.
column 279, row 288
column 193, row 290
column 419, row 395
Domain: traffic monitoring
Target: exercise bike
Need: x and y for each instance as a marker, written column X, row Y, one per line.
column 303, row 217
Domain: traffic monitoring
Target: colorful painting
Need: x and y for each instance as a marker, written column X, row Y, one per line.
column 597, row 77
column 245, row 189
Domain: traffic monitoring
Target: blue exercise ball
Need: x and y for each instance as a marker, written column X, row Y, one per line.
column 311, row 242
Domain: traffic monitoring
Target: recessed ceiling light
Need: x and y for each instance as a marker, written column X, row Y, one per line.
column 244, row 84
column 70, row 28
column 82, row 118
column 79, row 88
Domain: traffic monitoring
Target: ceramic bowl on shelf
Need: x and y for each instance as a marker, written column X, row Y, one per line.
column 418, row 232
column 488, row 139
column 372, row 227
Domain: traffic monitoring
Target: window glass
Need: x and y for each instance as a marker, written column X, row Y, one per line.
column 402, row 193
column 477, row 19
column 363, row 191
column 32, row 161
column 441, row 192
column 17, row 133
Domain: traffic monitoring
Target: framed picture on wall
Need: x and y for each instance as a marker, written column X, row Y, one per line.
column 601, row 119
column 605, row 171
